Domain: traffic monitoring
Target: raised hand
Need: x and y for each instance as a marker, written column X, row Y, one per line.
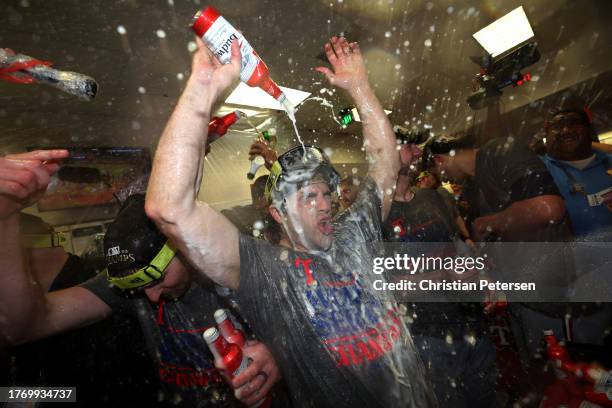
column 207, row 70
column 348, row 70
column 262, row 149
column 24, row 178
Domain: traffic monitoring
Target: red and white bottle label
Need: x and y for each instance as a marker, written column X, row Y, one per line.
column 243, row 365
column 219, row 37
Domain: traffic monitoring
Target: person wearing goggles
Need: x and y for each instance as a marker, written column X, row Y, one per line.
column 146, row 279
column 309, row 297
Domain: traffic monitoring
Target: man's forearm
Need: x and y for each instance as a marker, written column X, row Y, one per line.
column 379, row 139
column 522, row 216
column 178, row 160
column 20, row 297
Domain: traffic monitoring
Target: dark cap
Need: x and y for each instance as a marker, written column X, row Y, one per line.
column 443, row 144
column 132, row 240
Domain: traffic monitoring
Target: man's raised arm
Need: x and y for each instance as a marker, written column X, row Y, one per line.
column 349, row 73
column 207, row 238
column 26, row 313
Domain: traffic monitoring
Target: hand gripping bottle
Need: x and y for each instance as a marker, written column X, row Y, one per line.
column 268, row 137
column 226, row 354
column 218, row 126
column 230, row 356
column 218, row 34
column 229, row 332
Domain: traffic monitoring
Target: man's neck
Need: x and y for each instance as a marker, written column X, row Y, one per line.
column 286, row 242
column 574, row 156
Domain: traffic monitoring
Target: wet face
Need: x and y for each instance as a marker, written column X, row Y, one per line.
column 568, row 137
column 172, row 285
column 348, row 194
column 308, row 217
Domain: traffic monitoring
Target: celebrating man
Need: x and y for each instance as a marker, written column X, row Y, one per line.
column 337, row 342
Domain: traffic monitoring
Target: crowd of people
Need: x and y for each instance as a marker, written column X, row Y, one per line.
column 295, row 268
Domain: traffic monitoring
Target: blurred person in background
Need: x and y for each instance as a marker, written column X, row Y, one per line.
column 581, row 172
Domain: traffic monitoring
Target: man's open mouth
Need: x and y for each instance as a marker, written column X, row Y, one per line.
column 325, row 226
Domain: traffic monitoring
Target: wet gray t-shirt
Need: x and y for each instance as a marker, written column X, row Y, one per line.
column 338, row 342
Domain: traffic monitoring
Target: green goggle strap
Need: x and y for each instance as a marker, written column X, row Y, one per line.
column 147, row 274
column 275, row 173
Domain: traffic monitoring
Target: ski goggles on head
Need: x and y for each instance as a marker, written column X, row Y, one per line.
column 422, row 175
column 148, row 274
column 51, row 240
column 297, row 165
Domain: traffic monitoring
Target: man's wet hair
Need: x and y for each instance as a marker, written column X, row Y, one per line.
column 444, row 144
column 581, row 113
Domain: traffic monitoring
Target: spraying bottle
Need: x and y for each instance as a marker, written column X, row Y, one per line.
column 23, row 69
column 218, row 126
column 218, row 34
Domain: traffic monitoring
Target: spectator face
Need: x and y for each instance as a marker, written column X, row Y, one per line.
column 445, row 167
column 308, row 221
column 409, row 153
column 348, row 193
column 172, row 285
column 568, row 137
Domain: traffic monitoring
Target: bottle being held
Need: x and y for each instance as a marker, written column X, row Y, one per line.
column 230, row 356
column 555, row 351
column 230, row 333
column 218, row 34
column 227, row 355
column 24, row 69
column 218, row 126
column 256, row 164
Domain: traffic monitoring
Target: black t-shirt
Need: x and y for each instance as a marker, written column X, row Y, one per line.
column 425, row 218
column 338, row 342
column 428, row 218
column 173, row 331
column 507, row 171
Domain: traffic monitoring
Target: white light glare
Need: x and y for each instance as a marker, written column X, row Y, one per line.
column 505, row 33
column 256, row 97
column 358, row 119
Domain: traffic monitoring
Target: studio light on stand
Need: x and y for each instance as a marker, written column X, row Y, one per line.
column 510, row 46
